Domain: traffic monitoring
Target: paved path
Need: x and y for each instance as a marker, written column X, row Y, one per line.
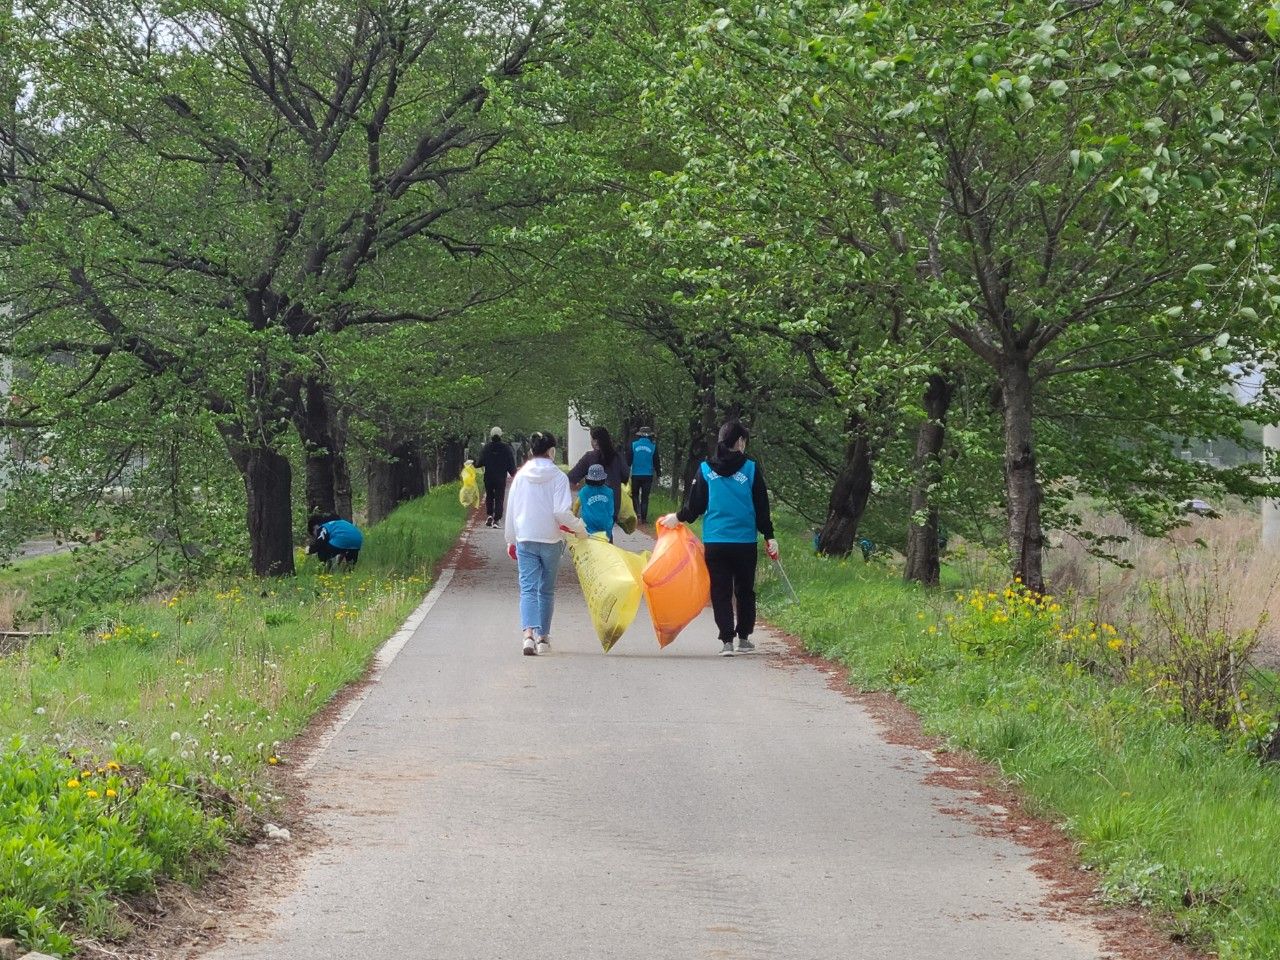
column 482, row 805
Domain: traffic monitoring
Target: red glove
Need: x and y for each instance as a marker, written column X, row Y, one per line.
column 771, row 548
column 511, row 550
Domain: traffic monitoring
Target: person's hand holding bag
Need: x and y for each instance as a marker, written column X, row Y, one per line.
column 511, row 550
column 771, row 548
column 670, row 521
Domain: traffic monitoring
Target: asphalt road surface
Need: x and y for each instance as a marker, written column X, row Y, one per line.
column 644, row 805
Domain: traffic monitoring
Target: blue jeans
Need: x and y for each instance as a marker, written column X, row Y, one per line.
column 538, row 563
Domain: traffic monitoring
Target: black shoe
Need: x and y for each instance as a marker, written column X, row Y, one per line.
column 488, row 521
column 746, row 646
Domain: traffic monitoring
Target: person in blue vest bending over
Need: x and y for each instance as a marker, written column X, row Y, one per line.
column 335, row 540
column 730, row 490
column 644, row 468
column 595, row 502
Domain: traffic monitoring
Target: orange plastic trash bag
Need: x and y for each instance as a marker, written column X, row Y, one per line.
column 676, row 583
column 610, row 578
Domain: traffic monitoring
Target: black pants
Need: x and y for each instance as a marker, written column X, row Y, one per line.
column 329, row 555
column 493, row 496
column 640, row 489
column 733, row 578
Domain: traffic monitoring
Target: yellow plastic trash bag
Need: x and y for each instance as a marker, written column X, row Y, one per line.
column 610, row 578
column 469, row 492
column 676, row 583
column 627, row 511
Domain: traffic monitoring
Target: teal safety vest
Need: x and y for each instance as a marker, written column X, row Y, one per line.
column 731, row 513
column 642, row 451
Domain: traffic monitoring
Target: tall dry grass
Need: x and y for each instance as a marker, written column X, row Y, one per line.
column 1221, row 560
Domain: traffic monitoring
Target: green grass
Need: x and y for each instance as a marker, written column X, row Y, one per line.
column 35, row 572
column 192, row 695
column 1173, row 816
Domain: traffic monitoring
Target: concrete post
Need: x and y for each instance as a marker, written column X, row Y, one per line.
column 1271, row 508
column 578, row 436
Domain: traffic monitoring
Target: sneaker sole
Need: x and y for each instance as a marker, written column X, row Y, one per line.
column 726, row 653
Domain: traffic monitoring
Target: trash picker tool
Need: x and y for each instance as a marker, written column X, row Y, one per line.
column 777, row 562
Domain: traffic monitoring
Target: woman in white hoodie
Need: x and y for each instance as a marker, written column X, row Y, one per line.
column 539, row 508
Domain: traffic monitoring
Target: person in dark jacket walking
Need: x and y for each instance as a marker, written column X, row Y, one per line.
column 499, row 462
column 730, row 490
column 606, row 454
column 645, row 467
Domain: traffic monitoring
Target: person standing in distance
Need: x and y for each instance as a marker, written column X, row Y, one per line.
column 730, row 490
column 539, row 510
column 499, row 462
column 645, row 467
column 606, row 454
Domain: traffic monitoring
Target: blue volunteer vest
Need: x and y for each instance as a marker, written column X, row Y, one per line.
column 343, row 535
column 731, row 513
column 642, row 451
column 596, row 508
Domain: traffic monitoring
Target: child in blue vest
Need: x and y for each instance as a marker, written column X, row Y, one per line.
column 730, row 491
column 595, row 502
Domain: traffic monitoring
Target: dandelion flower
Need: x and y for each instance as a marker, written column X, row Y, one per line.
column 73, row 784
column 111, row 794
column 273, row 760
column 91, row 794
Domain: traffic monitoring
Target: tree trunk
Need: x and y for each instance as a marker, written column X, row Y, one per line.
column 268, row 485
column 394, row 479
column 849, row 495
column 1022, row 484
column 327, row 477
column 450, row 460
column 923, row 562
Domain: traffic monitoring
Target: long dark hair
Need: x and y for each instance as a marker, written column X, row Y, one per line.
column 605, row 442
column 540, row 443
column 730, row 434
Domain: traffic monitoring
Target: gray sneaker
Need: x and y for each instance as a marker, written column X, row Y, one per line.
column 727, row 649
column 544, row 646
column 746, row 646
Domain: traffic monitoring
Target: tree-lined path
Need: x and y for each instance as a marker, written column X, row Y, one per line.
column 483, row 805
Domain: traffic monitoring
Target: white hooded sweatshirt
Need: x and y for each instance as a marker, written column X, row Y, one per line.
column 539, row 503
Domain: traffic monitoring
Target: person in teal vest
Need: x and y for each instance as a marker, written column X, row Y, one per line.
column 334, row 540
column 730, row 492
column 595, row 502
column 644, row 469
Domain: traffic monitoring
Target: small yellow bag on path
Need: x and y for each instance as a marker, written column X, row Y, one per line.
column 469, row 492
column 627, row 511
column 610, row 578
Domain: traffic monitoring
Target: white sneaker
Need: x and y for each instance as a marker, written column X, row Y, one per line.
column 544, row 645
column 530, row 648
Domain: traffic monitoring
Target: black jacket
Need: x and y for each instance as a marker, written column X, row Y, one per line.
column 499, row 461
column 727, row 463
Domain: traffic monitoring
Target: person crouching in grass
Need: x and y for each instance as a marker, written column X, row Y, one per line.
column 334, row 540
